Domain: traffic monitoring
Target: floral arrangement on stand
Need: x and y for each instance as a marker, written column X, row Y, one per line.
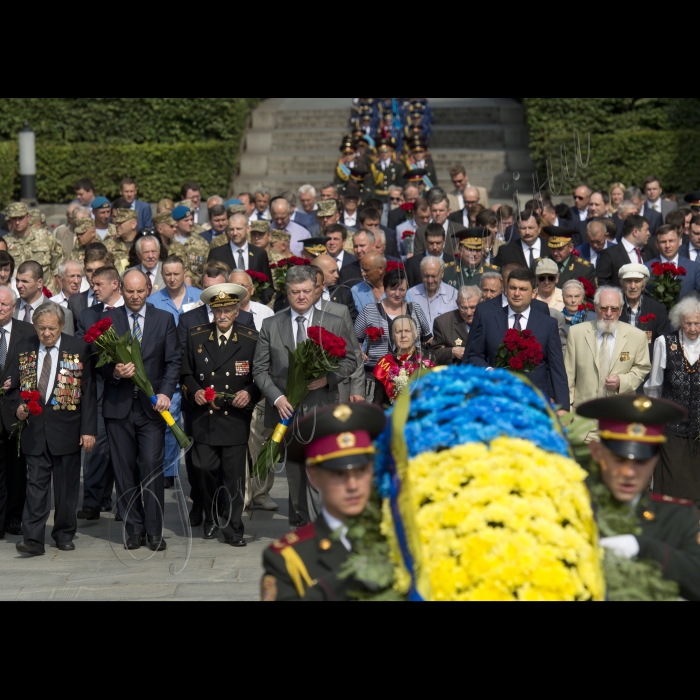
column 261, row 283
column 520, row 352
column 482, row 500
column 312, row 359
column 666, row 283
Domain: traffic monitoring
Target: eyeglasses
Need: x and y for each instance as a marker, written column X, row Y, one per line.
column 610, row 309
column 395, row 199
column 547, row 278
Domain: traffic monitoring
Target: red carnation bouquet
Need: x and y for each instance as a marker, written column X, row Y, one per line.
column 644, row 322
column 666, row 283
column 373, row 335
column 281, row 268
column 313, row 359
column 261, row 283
column 520, row 352
column 31, row 402
column 391, row 266
column 211, row 396
column 589, row 288
column 114, row 350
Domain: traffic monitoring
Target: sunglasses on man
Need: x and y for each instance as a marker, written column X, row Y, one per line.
column 547, row 278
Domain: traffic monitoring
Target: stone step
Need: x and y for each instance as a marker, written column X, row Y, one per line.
column 480, row 136
column 302, row 119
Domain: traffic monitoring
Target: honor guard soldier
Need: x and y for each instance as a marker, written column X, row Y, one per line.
column 631, row 432
column 387, row 172
column 313, row 247
column 471, row 267
column 694, row 200
column 561, row 250
column 364, row 181
column 305, row 564
column 219, row 360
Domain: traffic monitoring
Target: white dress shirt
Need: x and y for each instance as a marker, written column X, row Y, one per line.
column 142, row 319
column 8, row 333
column 612, row 339
column 350, row 221
column 536, row 250
column 334, row 524
column 693, row 253
column 244, row 250
column 655, row 383
column 60, row 299
column 656, row 206
column 523, row 321
column 631, row 251
column 340, row 258
column 260, row 313
column 308, row 320
column 460, row 198
column 35, row 305
column 116, row 305
column 54, row 367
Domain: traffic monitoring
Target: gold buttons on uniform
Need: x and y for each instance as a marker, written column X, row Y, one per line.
column 227, row 388
column 213, row 374
column 225, row 413
column 228, row 374
column 211, row 413
column 649, row 516
column 326, row 545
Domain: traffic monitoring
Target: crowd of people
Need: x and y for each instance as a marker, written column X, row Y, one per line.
column 408, row 274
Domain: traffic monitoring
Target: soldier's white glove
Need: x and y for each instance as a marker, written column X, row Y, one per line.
column 625, row 546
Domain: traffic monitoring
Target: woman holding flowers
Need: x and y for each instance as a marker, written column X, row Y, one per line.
column 675, row 376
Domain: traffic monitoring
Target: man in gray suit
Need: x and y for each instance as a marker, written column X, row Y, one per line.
column 148, row 252
column 30, row 286
column 271, row 366
column 654, row 192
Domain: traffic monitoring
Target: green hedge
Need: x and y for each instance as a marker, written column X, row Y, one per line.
column 160, row 169
column 127, row 119
column 632, row 138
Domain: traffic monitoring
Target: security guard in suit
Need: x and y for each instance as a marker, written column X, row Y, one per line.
column 631, row 432
column 305, row 564
column 471, row 267
column 219, row 360
column 561, row 250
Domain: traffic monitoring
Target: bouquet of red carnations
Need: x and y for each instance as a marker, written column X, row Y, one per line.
column 261, row 283
column 281, row 268
column 520, row 352
column 313, row 359
column 31, row 400
column 666, row 283
column 125, row 350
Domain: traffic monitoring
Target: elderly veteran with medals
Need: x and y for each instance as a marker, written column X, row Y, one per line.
column 664, row 529
column 217, row 372
column 339, row 460
column 52, row 391
column 471, row 250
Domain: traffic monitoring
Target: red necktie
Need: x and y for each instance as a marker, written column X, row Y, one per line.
column 639, row 256
column 150, row 285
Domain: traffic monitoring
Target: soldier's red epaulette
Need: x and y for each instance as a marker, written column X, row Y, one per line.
column 667, row 499
column 303, row 534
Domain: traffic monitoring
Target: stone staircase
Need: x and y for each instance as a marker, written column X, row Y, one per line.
column 294, row 141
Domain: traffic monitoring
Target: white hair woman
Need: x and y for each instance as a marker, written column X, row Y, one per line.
column 675, row 376
column 574, row 295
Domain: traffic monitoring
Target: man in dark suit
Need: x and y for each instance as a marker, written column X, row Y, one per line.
column 363, row 243
column 485, row 341
column 287, row 330
column 13, row 467
column 411, row 194
column 655, row 201
column 129, row 192
column 440, row 212
column 135, row 430
column 63, row 422
column 221, row 355
column 582, row 198
column 95, row 259
column 240, row 255
column 529, row 249
column 691, row 249
column 631, row 249
column 331, row 289
column 451, row 330
column 669, row 241
column 597, row 234
column 337, row 236
column 369, row 221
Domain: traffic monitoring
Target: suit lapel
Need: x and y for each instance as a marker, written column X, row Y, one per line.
column 148, row 323
column 459, row 328
column 591, row 339
column 285, row 326
column 502, row 319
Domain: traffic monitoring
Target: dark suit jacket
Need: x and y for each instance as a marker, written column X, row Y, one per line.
column 458, row 217
column 691, row 282
column 162, row 359
column 20, row 331
column 684, row 251
column 209, row 236
column 513, row 253
column 550, row 377
column 77, row 304
column 60, row 431
column 451, row 244
column 449, row 331
column 342, row 295
column 610, row 262
column 145, row 215
column 200, row 317
column 666, row 209
column 661, row 326
column 348, row 259
column 585, row 250
column 396, row 218
column 309, row 222
column 653, row 217
column 258, row 261
column 350, row 275
column 392, row 248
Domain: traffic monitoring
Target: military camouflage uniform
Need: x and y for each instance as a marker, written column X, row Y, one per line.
column 195, row 253
column 114, row 245
column 38, row 245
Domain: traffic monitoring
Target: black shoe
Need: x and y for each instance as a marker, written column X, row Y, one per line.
column 106, row 509
column 66, row 546
column 169, row 483
column 157, row 544
column 118, row 518
column 88, row 514
column 14, row 529
column 32, row 548
column 210, row 531
column 196, row 515
column 134, row 543
column 237, row 542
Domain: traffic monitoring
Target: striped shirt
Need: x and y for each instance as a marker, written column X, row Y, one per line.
column 370, row 317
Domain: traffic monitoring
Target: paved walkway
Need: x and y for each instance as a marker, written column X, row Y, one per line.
column 191, row 569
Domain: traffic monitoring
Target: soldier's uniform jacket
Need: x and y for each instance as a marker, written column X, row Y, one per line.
column 112, row 245
column 573, row 268
column 472, row 278
column 195, row 253
column 384, row 179
column 304, row 565
column 227, row 370
column 671, row 537
column 38, row 245
column 218, row 241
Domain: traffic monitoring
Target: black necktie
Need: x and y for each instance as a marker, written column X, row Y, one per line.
column 3, row 348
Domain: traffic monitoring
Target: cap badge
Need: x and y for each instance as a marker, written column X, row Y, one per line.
column 642, row 405
column 636, row 430
column 342, row 413
column 221, row 296
column 347, row 441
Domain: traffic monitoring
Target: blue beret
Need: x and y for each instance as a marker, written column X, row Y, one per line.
column 101, row 203
column 180, row 213
column 231, row 202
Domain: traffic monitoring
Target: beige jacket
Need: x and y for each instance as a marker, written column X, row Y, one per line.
column 630, row 361
column 483, row 198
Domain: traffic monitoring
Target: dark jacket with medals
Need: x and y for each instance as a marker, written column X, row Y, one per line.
column 671, row 537
column 450, row 331
column 72, row 410
column 227, row 370
column 304, row 566
column 574, row 268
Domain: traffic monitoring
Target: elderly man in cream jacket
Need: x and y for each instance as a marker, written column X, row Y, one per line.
column 606, row 357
